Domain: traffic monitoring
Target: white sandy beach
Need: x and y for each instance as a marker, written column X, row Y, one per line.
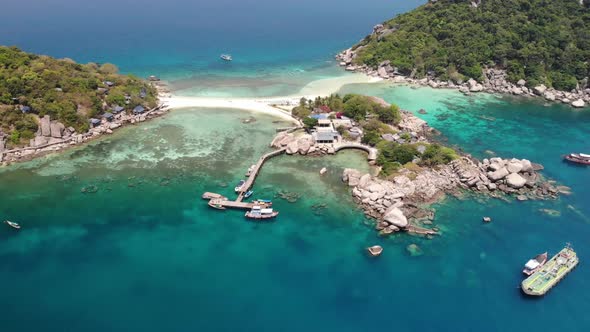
column 321, row 88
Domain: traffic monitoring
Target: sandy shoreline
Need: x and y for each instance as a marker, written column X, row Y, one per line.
column 318, row 88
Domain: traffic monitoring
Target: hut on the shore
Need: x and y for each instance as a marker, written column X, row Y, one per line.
column 94, row 122
column 138, row 109
column 108, row 116
column 117, row 109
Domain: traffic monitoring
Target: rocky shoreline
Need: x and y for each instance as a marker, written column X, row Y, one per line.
column 495, row 81
column 53, row 136
column 401, row 203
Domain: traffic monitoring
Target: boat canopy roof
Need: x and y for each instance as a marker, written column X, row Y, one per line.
column 532, row 264
column 266, row 211
column 583, row 155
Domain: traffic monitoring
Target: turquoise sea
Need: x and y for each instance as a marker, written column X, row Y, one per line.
column 144, row 253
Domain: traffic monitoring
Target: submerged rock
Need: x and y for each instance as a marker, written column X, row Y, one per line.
column 414, row 250
column 551, row 212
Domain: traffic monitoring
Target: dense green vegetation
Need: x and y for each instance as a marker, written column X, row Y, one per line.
column 376, row 119
column 541, row 41
column 354, row 106
column 67, row 91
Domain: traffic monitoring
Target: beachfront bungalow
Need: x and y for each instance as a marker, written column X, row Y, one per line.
column 94, row 122
column 103, row 91
column 109, row 84
column 25, row 109
column 325, row 136
column 324, row 132
column 108, row 116
column 138, row 109
column 143, row 93
column 117, row 109
column 153, row 78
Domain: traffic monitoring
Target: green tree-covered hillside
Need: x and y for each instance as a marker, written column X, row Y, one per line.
column 541, row 41
column 32, row 86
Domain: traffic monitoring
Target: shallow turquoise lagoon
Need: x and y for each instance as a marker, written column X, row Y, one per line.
column 145, row 253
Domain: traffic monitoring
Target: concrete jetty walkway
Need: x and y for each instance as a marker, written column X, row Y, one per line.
column 254, row 173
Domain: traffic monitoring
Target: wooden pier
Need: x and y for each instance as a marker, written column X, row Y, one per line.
column 220, row 202
column 254, row 173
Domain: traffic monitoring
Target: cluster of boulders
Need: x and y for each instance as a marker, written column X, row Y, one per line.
column 300, row 144
column 51, row 132
column 510, row 176
column 392, row 202
column 494, row 80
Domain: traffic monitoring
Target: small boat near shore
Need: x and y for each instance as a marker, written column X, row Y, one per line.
column 375, row 250
column 226, row 57
column 216, row 203
column 263, row 202
column 239, row 185
column 12, row 224
column 578, row 158
column 248, row 193
column 258, row 212
column 533, row 265
column 250, row 170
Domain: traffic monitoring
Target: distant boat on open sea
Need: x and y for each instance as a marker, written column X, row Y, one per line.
column 226, row 57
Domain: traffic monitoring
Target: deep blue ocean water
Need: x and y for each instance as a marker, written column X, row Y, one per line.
column 278, row 46
column 144, row 253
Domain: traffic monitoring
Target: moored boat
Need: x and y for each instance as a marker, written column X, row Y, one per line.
column 248, row 193
column 550, row 274
column 258, row 212
column 226, row 57
column 533, row 265
column 250, row 170
column 216, row 203
column 263, row 202
column 239, row 186
column 578, row 158
column 12, row 224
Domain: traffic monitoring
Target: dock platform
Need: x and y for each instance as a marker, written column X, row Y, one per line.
column 220, row 202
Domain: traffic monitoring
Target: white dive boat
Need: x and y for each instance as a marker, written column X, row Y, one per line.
column 226, row 57
column 258, row 212
column 533, row 265
column 239, row 186
column 12, row 224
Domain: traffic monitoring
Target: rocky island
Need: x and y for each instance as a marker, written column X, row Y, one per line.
column 413, row 170
column 524, row 48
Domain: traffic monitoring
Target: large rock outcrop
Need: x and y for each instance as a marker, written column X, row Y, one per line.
column 57, row 129
column 45, row 126
column 395, row 216
column 515, row 181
